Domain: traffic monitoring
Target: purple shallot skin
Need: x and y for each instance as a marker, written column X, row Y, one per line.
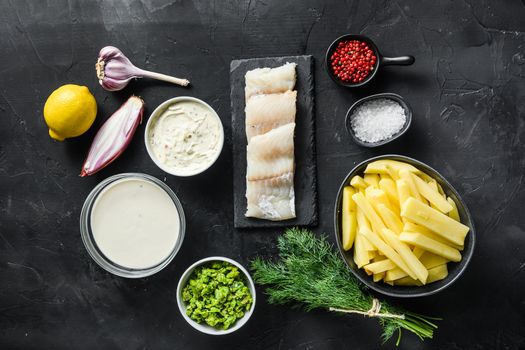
column 114, row 136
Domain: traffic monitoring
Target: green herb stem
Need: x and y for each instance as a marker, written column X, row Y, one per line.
column 310, row 274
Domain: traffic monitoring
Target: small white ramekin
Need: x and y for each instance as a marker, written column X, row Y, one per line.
column 157, row 112
column 204, row 328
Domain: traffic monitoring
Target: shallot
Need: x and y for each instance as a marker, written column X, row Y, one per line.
column 115, row 70
column 114, row 136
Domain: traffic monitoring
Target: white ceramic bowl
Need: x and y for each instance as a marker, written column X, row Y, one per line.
column 157, row 112
column 204, row 328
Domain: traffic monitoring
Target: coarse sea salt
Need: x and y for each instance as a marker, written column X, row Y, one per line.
column 377, row 120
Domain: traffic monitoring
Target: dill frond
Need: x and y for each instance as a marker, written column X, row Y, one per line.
column 310, row 274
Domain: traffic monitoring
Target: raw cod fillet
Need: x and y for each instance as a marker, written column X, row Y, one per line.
column 270, row 124
column 270, row 80
column 267, row 112
column 271, row 154
column 271, row 199
column 269, row 178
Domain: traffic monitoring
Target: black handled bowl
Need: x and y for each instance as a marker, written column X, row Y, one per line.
column 381, row 60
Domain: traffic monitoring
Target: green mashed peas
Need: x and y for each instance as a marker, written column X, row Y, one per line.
column 216, row 294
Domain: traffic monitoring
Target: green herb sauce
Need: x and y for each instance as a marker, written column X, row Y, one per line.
column 217, row 294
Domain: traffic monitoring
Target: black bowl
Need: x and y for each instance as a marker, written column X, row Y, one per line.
column 391, row 96
column 454, row 269
column 380, row 62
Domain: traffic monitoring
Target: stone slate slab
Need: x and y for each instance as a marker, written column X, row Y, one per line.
column 305, row 181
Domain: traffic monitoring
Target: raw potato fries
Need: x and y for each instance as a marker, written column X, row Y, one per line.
column 401, row 226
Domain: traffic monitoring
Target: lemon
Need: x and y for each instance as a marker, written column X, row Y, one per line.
column 69, row 111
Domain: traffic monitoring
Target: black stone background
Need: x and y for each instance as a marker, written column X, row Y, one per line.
column 468, row 95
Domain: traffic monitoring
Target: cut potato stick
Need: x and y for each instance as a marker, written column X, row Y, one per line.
column 372, row 180
column 395, row 274
column 379, row 266
column 440, row 189
column 390, row 219
column 378, row 276
column 387, row 251
column 379, row 257
column 418, row 252
column 358, row 182
column 393, row 173
column 362, row 221
column 433, row 196
column 369, row 212
column 426, row 177
column 430, row 260
column 411, row 227
column 406, row 254
column 437, row 273
column 348, row 218
column 403, row 192
column 367, row 245
column 433, row 246
column 434, row 220
column 389, row 186
column 367, row 192
column 375, row 168
column 454, row 213
column 407, row 177
column 360, row 254
column 433, row 183
column 380, row 166
column 376, row 196
column 407, row 282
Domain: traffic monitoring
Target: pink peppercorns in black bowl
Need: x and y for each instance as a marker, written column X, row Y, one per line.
column 353, row 60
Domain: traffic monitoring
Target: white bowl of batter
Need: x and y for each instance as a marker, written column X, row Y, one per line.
column 132, row 225
column 184, row 136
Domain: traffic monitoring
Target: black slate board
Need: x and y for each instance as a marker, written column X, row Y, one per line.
column 305, row 181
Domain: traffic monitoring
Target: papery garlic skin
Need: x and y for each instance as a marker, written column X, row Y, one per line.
column 115, row 70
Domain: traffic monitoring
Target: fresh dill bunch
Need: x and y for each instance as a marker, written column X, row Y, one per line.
column 311, row 274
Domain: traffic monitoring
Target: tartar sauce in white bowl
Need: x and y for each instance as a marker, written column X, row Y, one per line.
column 184, row 136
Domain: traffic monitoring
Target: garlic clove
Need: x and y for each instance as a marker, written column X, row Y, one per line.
column 115, row 70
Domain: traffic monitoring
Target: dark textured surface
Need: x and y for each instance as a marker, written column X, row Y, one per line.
column 305, row 182
column 467, row 91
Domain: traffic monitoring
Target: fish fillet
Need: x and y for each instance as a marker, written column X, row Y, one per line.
column 270, row 124
column 270, row 80
column 267, row 112
column 271, row 154
column 271, row 199
column 269, row 178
